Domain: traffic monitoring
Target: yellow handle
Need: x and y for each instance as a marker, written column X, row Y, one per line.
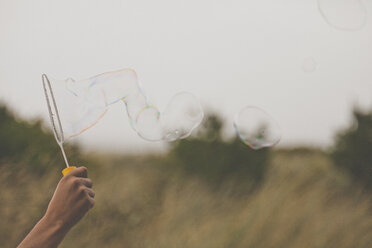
column 67, row 170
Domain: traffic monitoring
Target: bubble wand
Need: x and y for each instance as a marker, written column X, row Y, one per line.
column 56, row 124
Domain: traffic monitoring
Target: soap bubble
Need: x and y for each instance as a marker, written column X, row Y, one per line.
column 73, row 110
column 80, row 105
column 148, row 123
column 182, row 114
column 309, row 65
column 348, row 15
column 256, row 128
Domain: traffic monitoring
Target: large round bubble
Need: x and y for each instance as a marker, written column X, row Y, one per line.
column 182, row 114
column 348, row 15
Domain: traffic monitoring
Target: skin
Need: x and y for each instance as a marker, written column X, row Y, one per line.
column 72, row 199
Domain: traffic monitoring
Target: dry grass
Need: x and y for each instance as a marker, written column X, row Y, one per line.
column 304, row 202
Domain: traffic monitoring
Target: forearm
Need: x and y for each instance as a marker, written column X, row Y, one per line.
column 46, row 234
column 71, row 201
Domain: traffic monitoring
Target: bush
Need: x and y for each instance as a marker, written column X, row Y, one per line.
column 25, row 143
column 211, row 157
column 353, row 149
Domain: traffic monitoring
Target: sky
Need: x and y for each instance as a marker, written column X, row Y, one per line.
column 279, row 55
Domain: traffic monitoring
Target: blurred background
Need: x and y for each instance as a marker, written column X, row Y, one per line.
column 294, row 59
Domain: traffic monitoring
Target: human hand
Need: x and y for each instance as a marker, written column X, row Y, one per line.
column 72, row 199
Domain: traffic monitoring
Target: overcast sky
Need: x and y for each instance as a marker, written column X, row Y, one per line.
column 229, row 53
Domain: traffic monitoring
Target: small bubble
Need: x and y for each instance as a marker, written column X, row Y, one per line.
column 309, row 65
column 256, row 128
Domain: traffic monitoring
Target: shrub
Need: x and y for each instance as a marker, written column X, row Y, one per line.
column 214, row 159
column 353, row 148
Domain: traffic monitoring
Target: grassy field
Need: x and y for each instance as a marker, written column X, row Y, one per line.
column 146, row 202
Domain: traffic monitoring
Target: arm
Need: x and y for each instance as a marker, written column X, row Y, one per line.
column 71, row 201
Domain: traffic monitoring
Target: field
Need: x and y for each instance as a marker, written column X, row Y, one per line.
column 145, row 202
column 206, row 191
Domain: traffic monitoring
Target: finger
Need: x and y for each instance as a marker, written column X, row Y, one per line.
column 86, row 182
column 88, row 203
column 79, row 172
column 91, row 202
column 90, row 192
column 90, row 197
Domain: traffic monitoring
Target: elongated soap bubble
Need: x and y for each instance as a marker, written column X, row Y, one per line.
column 81, row 104
column 77, row 107
column 256, row 128
column 347, row 15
